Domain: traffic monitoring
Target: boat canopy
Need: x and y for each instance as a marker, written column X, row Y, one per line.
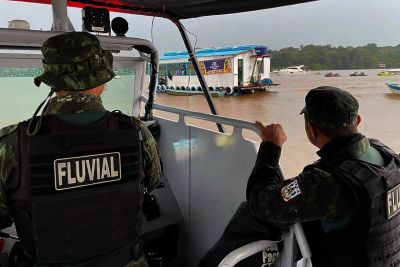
column 178, row 9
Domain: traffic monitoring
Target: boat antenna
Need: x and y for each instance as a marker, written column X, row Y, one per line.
column 194, row 47
column 194, row 50
column 151, row 31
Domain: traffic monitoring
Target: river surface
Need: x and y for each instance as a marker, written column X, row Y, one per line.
column 379, row 110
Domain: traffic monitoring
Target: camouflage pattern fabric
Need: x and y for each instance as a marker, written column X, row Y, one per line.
column 74, row 103
column 75, row 61
column 141, row 262
column 8, row 169
column 70, row 104
column 313, row 195
column 152, row 166
column 273, row 203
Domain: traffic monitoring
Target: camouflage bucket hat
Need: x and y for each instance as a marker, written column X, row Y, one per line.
column 330, row 107
column 75, row 62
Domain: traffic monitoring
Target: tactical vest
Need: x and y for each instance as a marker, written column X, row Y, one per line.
column 80, row 193
column 377, row 224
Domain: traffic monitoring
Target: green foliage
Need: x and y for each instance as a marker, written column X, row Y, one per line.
column 326, row 57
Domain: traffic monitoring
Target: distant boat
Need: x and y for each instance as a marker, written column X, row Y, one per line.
column 394, row 71
column 394, row 87
column 331, row 74
column 385, row 73
column 358, row 74
column 292, row 70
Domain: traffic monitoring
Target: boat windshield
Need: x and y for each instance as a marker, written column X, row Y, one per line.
column 20, row 97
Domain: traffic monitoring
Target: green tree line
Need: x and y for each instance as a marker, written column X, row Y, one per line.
column 326, row 57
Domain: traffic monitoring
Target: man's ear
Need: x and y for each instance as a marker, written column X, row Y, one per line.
column 358, row 120
column 312, row 131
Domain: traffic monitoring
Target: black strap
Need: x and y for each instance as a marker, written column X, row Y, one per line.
column 118, row 258
column 38, row 122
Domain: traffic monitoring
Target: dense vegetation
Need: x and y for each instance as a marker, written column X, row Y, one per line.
column 317, row 57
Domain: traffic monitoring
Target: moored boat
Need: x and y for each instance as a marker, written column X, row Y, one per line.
column 358, row 74
column 215, row 91
column 385, row 73
column 292, row 70
column 394, row 87
column 394, row 71
column 331, row 74
column 188, row 93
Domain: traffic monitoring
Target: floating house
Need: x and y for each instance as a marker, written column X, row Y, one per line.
column 234, row 67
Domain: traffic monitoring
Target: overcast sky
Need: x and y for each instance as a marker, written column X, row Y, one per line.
column 335, row 22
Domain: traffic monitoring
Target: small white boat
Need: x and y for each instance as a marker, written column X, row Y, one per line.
column 394, row 71
column 292, row 70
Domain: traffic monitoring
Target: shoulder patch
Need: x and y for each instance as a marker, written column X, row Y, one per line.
column 290, row 191
column 7, row 130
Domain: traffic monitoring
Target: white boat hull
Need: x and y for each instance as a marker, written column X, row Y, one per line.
column 289, row 73
column 292, row 70
column 395, row 91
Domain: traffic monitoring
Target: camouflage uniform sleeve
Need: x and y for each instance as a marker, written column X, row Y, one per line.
column 8, row 164
column 312, row 195
column 152, row 164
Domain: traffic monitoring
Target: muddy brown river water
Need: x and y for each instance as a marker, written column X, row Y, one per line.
column 379, row 109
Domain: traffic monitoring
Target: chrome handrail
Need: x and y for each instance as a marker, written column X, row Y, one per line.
column 244, row 252
column 208, row 117
column 252, row 248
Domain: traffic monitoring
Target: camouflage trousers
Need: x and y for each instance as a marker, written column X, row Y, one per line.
column 141, row 262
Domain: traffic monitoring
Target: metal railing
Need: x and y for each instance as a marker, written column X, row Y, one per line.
column 250, row 249
column 237, row 124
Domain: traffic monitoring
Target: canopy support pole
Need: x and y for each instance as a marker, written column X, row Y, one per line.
column 61, row 21
column 196, row 66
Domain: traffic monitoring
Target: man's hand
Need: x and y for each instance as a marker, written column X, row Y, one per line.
column 273, row 133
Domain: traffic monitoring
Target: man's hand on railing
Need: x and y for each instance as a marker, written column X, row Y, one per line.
column 273, row 133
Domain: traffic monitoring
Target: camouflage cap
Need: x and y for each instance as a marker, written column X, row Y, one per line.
column 75, row 61
column 330, row 107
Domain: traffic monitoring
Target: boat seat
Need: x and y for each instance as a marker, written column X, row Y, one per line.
column 287, row 257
